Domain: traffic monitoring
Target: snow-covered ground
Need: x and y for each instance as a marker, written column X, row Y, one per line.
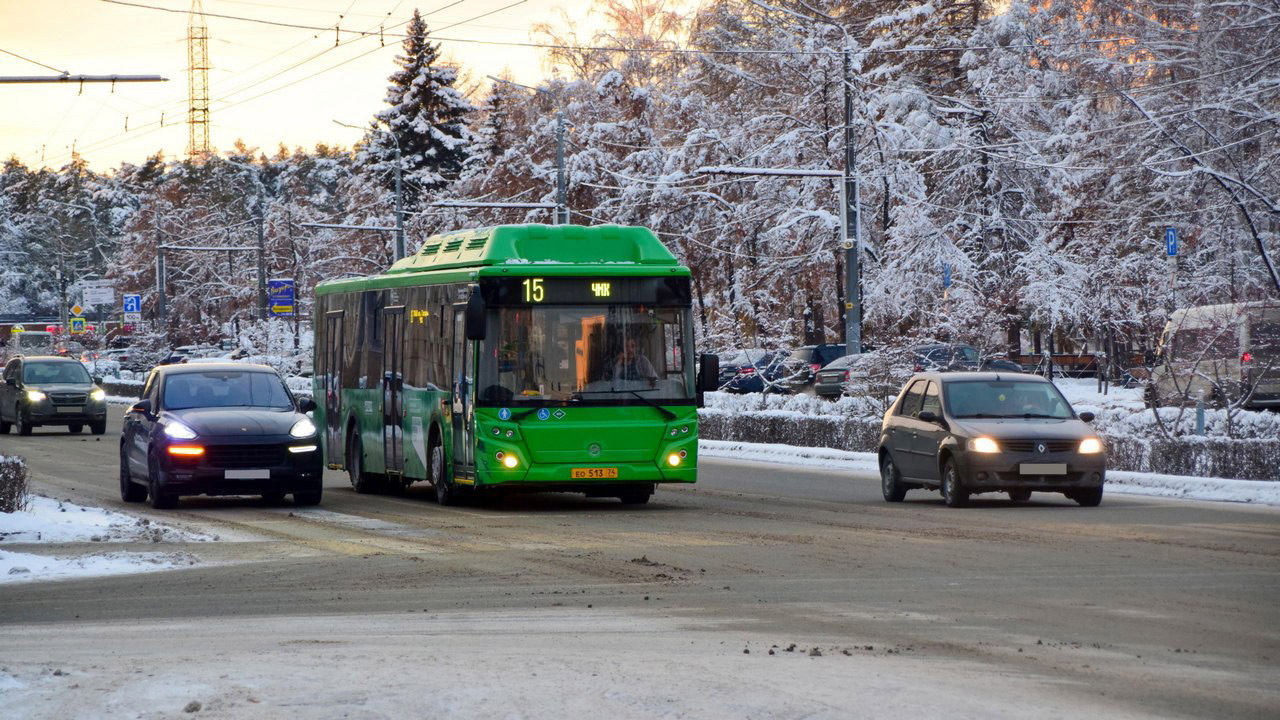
column 1118, row 481
column 51, row 521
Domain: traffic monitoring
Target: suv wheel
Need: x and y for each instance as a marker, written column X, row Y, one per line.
column 130, row 491
column 22, row 421
column 891, row 480
column 953, row 494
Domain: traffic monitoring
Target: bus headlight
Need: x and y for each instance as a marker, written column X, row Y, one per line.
column 508, row 460
column 675, row 458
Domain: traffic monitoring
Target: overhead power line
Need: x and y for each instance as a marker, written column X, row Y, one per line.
column 34, row 62
column 686, row 51
column 75, row 79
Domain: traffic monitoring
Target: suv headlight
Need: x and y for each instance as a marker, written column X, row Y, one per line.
column 178, row 431
column 303, row 428
column 984, row 445
column 35, row 396
column 98, row 395
column 1090, row 446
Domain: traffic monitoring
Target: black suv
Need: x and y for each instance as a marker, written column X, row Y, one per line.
column 51, row 391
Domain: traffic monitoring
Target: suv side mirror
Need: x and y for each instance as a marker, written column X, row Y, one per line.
column 142, row 406
column 97, row 380
column 928, row 416
column 474, row 316
column 306, row 404
column 1087, row 416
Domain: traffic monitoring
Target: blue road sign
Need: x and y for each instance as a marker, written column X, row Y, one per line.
column 280, row 297
column 1171, row 241
column 504, row 414
column 946, row 275
column 132, row 303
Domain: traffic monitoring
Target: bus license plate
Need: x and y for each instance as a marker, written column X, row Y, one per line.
column 594, row 473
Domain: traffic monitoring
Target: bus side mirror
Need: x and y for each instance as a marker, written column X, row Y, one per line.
column 475, row 320
column 708, row 373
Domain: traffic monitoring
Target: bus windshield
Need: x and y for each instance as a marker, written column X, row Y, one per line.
column 586, row 353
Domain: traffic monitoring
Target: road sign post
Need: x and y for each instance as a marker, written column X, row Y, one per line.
column 132, row 307
column 1171, row 241
column 280, row 297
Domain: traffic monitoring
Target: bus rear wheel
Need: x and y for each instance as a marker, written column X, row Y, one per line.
column 361, row 481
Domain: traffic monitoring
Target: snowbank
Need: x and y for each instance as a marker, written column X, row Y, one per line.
column 59, row 521
column 1118, row 481
column 47, row 520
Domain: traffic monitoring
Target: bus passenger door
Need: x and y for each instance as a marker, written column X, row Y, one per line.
column 393, row 389
column 332, row 356
column 463, row 397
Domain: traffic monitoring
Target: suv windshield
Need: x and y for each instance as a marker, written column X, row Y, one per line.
column 586, row 353
column 50, row 373
column 1005, row 399
column 223, row 388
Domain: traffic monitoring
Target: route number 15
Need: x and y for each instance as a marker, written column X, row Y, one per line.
column 533, row 290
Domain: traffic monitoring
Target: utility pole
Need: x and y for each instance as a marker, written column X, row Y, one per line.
column 197, row 82
column 262, row 265
column 851, row 225
column 562, row 200
column 162, row 311
column 399, row 249
column 562, row 204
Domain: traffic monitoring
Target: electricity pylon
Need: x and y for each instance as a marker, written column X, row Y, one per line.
column 198, row 82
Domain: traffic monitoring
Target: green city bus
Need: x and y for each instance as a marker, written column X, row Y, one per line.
column 517, row 357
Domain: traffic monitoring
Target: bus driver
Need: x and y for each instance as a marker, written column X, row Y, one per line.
column 631, row 365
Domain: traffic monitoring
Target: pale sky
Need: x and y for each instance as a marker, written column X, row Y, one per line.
column 40, row 123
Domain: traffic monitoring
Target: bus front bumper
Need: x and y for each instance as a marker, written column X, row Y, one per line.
column 562, row 474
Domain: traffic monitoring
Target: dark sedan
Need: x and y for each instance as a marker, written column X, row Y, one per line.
column 219, row 429
column 975, row 432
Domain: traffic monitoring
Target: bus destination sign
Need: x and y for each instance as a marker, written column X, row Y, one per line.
column 529, row 290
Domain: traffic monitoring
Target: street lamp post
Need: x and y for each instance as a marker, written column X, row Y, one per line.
column 562, row 202
column 399, row 186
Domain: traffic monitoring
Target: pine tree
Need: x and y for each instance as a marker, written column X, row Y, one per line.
column 427, row 116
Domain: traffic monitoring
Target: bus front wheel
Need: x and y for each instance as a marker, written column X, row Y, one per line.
column 447, row 493
column 636, row 496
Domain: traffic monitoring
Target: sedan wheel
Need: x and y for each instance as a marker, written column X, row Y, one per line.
column 890, row 480
column 159, row 500
column 1087, row 497
column 952, row 493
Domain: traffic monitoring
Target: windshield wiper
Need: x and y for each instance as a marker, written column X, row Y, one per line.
column 980, row 415
column 665, row 412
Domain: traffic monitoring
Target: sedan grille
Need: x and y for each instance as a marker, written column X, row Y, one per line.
column 1029, row 446
column 244, row 456
column 67, row 398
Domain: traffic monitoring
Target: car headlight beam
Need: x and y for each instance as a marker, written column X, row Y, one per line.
column 178, row 431
column 1090, row 446
column 98, row 395
column 303, row 428
column 35, row 396
column 984, row 445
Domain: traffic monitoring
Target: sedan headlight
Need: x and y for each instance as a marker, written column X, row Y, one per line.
column 178, row 431
column 98, row 395
column 984, row 445
column 1090, row 446
column 303, row 428
column 35, row 396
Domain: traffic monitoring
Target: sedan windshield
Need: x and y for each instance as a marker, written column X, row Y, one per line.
column 50, row 373
column 632, row 353
column 1005, row 399
column 223, row 388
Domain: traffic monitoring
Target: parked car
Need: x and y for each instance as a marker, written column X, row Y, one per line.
column 749, row 373
column 797, row 370
column 49, row 390
column 938, row 357
column 1229, row 352
column 972, row 432
column 229, row 429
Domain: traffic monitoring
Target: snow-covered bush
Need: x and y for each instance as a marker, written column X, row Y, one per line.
column 14, row 493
